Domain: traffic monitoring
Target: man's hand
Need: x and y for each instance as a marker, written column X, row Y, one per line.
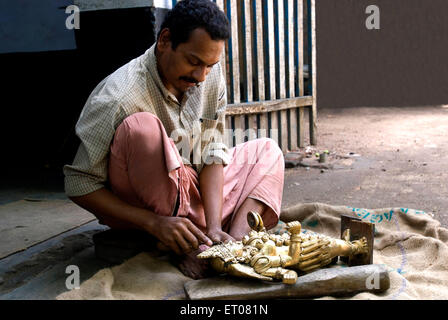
column 217, row 235
column 179, row 234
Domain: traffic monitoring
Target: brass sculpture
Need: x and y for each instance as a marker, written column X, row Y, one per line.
column 265, row 256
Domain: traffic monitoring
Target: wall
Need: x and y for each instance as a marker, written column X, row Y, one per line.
column 402, row 64
column 49, row 71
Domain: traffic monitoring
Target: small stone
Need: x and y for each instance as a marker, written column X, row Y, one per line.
column 291, row 163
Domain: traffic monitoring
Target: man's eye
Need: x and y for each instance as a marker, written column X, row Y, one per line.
column 194, row 63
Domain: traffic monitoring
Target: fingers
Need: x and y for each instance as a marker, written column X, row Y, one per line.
column 310, row 255
column 181, row 235
column 218, row 236
column 316, row 266
column 198, row 234
column 183, row 244
column 174, row 246
column 189, row 237
column 228, row 237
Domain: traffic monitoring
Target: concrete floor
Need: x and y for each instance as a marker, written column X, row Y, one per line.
column 402, row 162
column 379, row 157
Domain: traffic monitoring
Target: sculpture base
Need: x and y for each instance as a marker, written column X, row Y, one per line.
column 335, row 281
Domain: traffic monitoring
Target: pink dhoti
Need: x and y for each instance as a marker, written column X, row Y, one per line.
column 146, row 170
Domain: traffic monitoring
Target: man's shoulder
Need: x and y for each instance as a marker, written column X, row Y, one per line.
column 124, row 83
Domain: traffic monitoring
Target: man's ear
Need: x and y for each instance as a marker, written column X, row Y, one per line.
column 164, row 40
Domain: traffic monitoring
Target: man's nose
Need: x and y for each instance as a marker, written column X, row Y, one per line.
column 200, row 73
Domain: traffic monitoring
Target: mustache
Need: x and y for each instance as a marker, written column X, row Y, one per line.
column 188, row 79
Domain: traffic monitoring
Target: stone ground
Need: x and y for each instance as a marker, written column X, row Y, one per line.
column 378, row 158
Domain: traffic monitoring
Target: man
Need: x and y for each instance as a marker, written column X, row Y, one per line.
column 128, row 170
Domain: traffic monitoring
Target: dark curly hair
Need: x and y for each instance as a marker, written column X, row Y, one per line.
column 188, row 15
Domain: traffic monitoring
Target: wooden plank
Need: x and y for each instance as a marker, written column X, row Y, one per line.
column 268, row 106
column 229, row 132
column 290, row 70
column 284, row 130
column 298, row 36
column 301, row 129
column 289, row 36
column 253, row 126
column 279, row 49
column 220, row 4
column 264, row 126
column 312, row 55
column 358, row 229
column 323, row 282
column 233, row 52
column 269, row 48
column 257, row 15
column 240, row 128
column 293, row 129
column 280, row 70
column 246, row 41
column 273, row 131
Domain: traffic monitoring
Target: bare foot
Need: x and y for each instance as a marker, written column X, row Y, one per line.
column 193, row 267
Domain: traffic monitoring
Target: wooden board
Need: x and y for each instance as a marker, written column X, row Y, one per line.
column 232, row 14
column 258, row 47
column 240, row 128
column 263, row 131
column 324, row 282
column 220, row 4
column 299, row 46
column 246, row 49
column 253, row 126
column 301, row 129
column 358, row 229
column 312, row 55
column 268, row 106
column 269, row 48
column 284, row 130
column 273, row 131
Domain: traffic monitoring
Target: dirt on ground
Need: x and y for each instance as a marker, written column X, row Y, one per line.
column 378, row 158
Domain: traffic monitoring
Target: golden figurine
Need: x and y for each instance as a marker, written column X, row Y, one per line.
column 266, row 256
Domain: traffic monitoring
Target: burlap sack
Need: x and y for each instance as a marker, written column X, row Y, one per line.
column 410, row 243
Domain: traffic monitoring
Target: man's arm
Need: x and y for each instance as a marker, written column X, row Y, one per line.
column 179, row 234
column 211, row 182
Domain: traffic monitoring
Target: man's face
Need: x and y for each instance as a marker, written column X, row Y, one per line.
column 190, row 63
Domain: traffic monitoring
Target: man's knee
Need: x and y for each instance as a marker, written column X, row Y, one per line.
column 142, row 124
column 142, row 129
column 270, row 145
column 266, row 148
